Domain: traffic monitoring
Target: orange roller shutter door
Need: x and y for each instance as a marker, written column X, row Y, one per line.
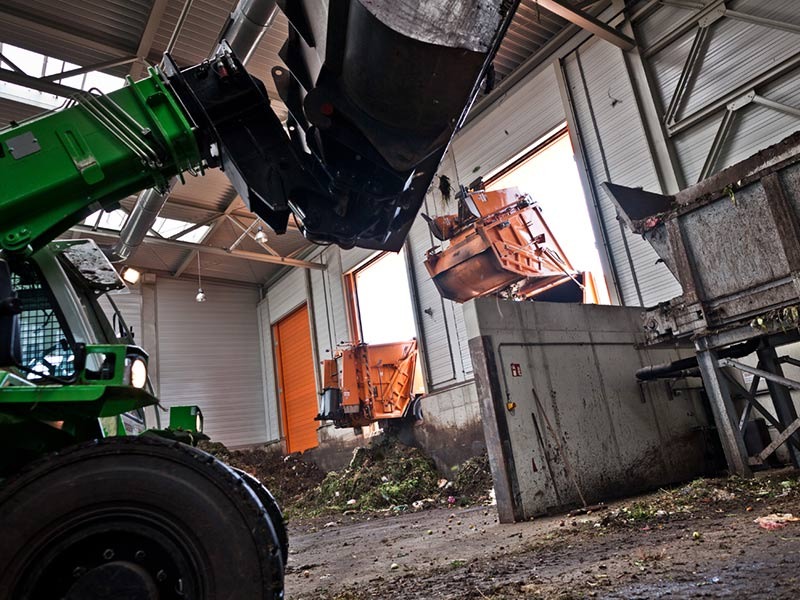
column 297, row 388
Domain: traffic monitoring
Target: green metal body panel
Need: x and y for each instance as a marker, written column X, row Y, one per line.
column 58, row 168
column 186, row 418
column 89, row 397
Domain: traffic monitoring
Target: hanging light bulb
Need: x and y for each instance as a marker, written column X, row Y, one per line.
column 201, row 295
column 260, row 236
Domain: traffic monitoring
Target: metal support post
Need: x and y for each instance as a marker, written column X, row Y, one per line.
column 781, row 397
column 724, row 413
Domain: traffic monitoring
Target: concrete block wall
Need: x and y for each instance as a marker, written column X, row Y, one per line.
column 451, row 430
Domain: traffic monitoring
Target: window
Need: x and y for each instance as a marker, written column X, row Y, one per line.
column 381, row 300
column 163, row 227
column 380, row 308
column 38, row 65
column 547, row 171
column 46, row 349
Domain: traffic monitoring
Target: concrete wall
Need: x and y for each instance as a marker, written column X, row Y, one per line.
column 563, row 414
column 451, row 430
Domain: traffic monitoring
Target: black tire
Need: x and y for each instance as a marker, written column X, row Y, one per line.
column 272, row 508
column 168, row 520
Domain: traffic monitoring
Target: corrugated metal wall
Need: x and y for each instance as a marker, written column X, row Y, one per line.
column 209, row 355
column 287, row 294
column 612, row 137
column 521, row 117
column 272, row 413
column 435, row 322
column 355, row 257
column 736, row 54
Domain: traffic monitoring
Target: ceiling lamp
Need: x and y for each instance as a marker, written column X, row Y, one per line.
column 260, row 236
column 201, row 295
column 131, row 275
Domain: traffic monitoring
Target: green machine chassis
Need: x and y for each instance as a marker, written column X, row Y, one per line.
column 88, row 506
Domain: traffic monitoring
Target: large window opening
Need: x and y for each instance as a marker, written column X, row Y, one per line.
column 381, row 310
column 382, row 299
column 548, row 173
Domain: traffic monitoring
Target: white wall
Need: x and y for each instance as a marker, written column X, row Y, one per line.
column 209, row 354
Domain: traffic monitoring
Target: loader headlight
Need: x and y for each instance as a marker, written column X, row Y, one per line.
column 138, row 376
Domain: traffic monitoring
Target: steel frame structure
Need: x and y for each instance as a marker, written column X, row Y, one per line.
column 706, row 15
column 723, row 389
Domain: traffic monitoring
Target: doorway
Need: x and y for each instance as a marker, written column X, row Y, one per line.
column 297, row 387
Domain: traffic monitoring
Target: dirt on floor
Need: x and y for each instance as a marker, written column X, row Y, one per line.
column 712, row 538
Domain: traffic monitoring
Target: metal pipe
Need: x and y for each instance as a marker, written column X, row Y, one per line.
column 139, row 222
column 244, row 29
column 173, row 39
column 686, row 366
column 247, row 24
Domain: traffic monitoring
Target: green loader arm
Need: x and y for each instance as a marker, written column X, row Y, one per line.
column 58, row 168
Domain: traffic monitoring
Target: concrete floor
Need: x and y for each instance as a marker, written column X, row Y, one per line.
column 713, row 550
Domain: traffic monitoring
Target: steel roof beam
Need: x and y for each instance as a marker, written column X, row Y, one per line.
column 215, row 250
column 148, row 36
column 48, row 87
column 101, row 66
column 588, row 22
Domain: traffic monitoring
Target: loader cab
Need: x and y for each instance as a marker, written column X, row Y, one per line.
column 59, row 292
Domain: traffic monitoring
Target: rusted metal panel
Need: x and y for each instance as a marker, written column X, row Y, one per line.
column 734, row 237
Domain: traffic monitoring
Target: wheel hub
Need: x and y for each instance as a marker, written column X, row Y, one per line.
column 114, row 580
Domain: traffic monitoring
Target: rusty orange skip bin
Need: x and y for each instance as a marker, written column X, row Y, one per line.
column 500, row 243
column 367, row 383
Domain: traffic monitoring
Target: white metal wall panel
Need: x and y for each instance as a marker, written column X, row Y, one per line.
column 209, row 354
column 439, row 344
column 355, row 257
column 461, row 340
column 616, row 150
column 334, row 288
column 659, row 22
column 271, row 411
column 692, row 146
column 758, row 126
column 287, row 294
column 129, row 303
column 736, row 53
column 322, row 312
column 522, row 116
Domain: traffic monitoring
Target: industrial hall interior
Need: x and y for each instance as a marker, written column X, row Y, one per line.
column 417, row 299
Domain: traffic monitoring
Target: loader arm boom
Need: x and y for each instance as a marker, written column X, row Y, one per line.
column 58, row 168
column 375, row 92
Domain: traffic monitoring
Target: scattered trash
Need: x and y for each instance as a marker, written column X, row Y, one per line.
column 351, row 501
column 587, row 510
column 775, row 521
column 394, row 567
column 696, row 535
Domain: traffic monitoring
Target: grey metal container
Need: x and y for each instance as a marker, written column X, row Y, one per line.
column 732, row 241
